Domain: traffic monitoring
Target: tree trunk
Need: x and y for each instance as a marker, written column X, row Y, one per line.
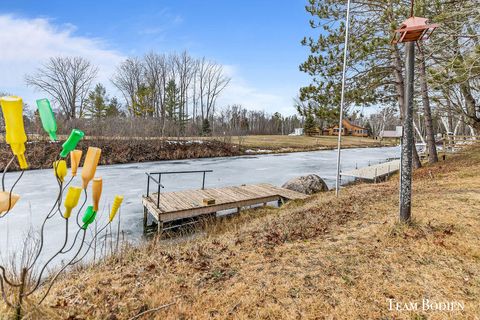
column 432, row 149
column 400, row 88
column 416, row 158
column 400, row 84
column 408, row 143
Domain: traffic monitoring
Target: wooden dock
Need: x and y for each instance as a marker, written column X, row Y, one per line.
column 187, row 204
column 374, row 172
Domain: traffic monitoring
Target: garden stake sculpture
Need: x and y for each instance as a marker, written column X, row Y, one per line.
column 16, row 137
column 48, row 118
column 12, row 108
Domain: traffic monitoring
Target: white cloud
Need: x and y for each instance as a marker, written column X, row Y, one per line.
column 26, row 43
column 239, row 91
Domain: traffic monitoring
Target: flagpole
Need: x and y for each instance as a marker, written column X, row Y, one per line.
column 340, row 124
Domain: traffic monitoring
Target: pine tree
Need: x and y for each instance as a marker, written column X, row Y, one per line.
column 371, row 58
column 309, row 125
column 97, row 102
column 172, row 101
column 114, row 109
column 206, row 130
column 142, row 103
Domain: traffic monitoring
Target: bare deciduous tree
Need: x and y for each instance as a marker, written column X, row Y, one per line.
column 67, row 80
column 199, row 83
column 211, row 82
column 129, row 80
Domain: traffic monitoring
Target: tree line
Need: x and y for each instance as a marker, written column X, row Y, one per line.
column 171, row 94
column 447, row 65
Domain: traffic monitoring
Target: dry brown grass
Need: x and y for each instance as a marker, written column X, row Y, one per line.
column 325, row 258
column 289, row 143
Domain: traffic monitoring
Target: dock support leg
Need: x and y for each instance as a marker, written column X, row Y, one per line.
column 239, row 209
column 145, row 219
column 159, row 227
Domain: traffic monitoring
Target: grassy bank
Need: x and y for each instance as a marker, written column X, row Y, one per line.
column 323, row 258
column 41, row 154
column 304, row 143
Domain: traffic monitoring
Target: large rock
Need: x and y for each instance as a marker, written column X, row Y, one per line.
column 306, row 184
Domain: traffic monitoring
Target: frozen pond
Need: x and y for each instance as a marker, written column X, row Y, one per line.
column 38, row 188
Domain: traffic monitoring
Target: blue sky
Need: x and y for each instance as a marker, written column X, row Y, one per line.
column 258, row 41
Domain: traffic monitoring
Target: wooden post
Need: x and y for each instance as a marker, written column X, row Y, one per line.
column 159, row 227
column 145, row 219
column 407, row 137
column 444, row 144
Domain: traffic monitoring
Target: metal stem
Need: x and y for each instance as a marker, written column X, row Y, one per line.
column 90, row 245
column 5, row 171
column 81, row 208
column 64, row 267
column 50, row 260
column 342, row 101
column 59, row 197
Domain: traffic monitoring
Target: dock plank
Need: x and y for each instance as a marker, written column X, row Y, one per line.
column 375, row 171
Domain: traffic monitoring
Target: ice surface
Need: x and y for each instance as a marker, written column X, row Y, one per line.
column 38, row 188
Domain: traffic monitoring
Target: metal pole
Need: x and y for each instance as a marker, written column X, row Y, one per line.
column 340, row 125
column 203, row 182
column 407, row 138
column 158, row 190
column 148, row 185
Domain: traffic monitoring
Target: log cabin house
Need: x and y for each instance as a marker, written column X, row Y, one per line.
column 349, row 129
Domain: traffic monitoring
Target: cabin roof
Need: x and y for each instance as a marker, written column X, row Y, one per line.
column 346, row 123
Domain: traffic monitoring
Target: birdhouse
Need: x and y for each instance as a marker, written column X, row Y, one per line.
column 413, row 29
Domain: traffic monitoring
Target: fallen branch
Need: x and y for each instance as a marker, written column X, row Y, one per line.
column 154, row 309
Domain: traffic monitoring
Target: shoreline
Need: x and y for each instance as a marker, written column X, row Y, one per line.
column 327, row 148
column 284, row 244
column 41, row 154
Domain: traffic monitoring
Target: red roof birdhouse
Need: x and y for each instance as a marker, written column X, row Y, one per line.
column 413, row 29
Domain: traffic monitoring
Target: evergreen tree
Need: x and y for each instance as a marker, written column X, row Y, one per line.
column 142, row 104
column 174, row 110
column 206, row 130
column 371, row 58
column 278, row 121
column 172, row 101
column 97, row 102
column 114, row 109
column 309, row 125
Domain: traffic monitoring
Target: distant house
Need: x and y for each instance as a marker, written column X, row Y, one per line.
column 348, row 128
column 297, row 132
column 397, row 133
